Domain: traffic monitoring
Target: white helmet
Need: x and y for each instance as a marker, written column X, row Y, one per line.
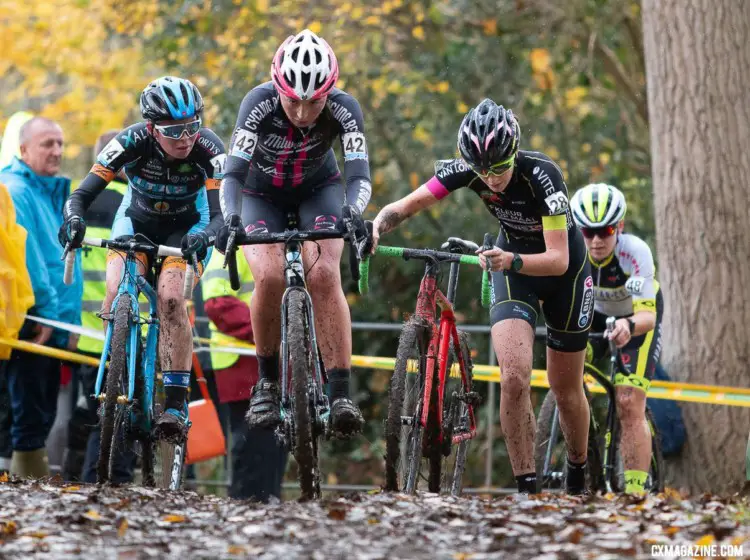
column 598, row 205
column 304, row 67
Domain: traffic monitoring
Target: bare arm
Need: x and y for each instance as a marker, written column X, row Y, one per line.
column 553, row 262
column 645, row 321
column 396, row 212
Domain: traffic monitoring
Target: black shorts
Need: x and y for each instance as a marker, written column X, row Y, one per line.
column 567, row 301
column 315, row 208
column 162, row 232
column 640, row 355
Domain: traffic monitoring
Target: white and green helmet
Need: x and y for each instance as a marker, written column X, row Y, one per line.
column 598, row 205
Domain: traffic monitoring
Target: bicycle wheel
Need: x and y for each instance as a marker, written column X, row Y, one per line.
column 115, row 375
column 304, row 448
column 655, row 481
column 403, row 433
column 456, row 419
column 550, row 451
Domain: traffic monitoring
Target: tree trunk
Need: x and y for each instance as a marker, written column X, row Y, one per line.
column 698, row 76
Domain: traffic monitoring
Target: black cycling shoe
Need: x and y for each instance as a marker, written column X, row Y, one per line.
column 172, row 426
column 265, row 406
column 346, row 418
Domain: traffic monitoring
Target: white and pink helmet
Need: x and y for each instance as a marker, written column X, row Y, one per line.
column 304, row 67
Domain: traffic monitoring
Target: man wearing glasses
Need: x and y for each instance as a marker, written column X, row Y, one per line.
column 539, row 264
column 174, row 168
column 624, row 287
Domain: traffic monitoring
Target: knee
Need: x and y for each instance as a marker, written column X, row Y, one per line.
column 171, row 305
column 630, row 406
column 324, row 277
column 565, row 390
column 515, row 381
column 268, row 280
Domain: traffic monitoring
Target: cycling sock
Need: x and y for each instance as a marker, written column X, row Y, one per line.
column 635, row 482
column 527, row 483
column 176, row 385
column 268, row 367
column 576, row 480
column 338, row 383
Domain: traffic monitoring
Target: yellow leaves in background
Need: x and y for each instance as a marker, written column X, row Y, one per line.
column 541, row 68
column 66, row 59
column 462, row 107
column 574, row 96
column 420, row 134
column 489, row 26
column 540, row 60
column 418, row 32
column 315, row 27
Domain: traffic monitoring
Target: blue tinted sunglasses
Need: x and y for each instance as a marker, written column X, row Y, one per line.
column 175, row 131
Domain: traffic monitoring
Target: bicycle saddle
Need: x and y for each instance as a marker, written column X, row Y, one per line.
column 458, row 245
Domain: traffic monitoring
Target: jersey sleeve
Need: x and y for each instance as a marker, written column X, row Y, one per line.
column 348, row 115
column 552, row 194
column 637, row 262
column 450, row 175
column 216, row 156
column 255, row 107
column 122, row 150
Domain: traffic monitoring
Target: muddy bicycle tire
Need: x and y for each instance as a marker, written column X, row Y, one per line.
column 305, row 449
column 118, row 365
column 403, row 457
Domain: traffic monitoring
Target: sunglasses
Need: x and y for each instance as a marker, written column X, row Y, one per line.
column 175, row 131
column 497, row 169
column 602, row 232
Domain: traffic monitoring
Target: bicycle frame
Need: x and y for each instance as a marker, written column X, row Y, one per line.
column 443, row 335
column 132, row 284
column 295, row 281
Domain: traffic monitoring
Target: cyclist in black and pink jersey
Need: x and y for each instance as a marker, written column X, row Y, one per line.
column 280, row 161
column 539, row 264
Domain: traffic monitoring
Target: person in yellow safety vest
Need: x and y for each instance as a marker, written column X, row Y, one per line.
column 82, row 450
column 258, row 460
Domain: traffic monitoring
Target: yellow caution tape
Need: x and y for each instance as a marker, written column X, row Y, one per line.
column 671, row 390
column 49, row 351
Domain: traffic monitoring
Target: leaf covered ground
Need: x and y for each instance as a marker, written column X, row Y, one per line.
column 50, row 519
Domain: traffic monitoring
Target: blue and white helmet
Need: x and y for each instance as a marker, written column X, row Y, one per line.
column 170, row 98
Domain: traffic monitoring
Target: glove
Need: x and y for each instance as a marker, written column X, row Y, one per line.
column 195, row 244
column 233, row 223
column 352, row 218
column 72, row 231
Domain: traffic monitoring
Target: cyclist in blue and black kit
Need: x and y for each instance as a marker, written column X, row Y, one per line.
column 281, row 161
column 538, row 265
column 174, row 168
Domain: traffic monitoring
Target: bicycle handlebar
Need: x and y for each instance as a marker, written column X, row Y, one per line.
column 230, row 256
column 421, row 254
column 136, row 247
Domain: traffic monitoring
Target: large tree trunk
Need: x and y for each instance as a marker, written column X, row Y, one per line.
column 698, row 76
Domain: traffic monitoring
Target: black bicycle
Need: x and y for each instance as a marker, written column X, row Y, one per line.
column 605, row 470
column 305, row 409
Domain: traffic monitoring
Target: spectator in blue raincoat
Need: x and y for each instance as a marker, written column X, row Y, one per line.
column 38, row 195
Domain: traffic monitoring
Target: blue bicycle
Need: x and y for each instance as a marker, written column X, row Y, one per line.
column 128, row 407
